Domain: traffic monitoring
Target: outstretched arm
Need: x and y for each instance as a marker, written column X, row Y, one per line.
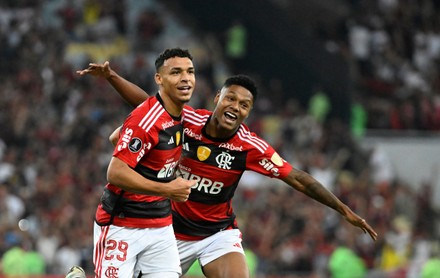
column 130, row 92
column 308, row 185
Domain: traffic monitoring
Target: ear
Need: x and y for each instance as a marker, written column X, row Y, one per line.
column 158, row 78
column 217, row 97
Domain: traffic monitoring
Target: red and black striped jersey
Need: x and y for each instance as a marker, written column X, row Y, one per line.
column 217, row 165
column 150, row 143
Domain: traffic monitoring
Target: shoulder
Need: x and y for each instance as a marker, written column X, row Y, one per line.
column 188, row 110
column 151, row 103
column 250, row 139
column 148, row 113
column 195, row 116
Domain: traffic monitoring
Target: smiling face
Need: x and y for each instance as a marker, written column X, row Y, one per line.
column 233, row 105
column 176, row 80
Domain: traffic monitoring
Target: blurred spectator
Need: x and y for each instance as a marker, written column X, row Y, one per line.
column 398, row 245
column 319, row 105
column 236, row 42
column 358, row 118
column 12, row 207
column 149, row 25
column 22, row 259
column 431, row 268
column 382, row 172
column 344, row 263
column 67, row 256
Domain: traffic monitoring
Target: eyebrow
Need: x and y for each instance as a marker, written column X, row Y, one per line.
column 236, row 94
column 180, row 68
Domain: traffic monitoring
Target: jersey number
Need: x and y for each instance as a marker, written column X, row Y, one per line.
column 120, row 246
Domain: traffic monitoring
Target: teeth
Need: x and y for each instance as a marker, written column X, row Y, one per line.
column 230, row 115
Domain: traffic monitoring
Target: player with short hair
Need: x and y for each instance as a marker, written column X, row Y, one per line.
column 133, row 235
column 218, row 147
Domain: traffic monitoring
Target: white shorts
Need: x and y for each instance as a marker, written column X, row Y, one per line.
column 125, row 252
column 210, row 248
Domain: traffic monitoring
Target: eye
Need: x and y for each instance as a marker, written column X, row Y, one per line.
column 245, row 106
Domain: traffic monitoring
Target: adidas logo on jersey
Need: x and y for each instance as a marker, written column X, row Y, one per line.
column 171, row 141
column 238, row 245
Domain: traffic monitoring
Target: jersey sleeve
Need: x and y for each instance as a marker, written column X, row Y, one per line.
column 134, row 140
column 268, row 162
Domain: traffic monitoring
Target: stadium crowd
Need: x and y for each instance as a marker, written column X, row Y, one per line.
column 394, row 47
column 55, row 125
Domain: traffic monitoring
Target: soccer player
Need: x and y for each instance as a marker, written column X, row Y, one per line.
column 218, row 147
column 133, row 235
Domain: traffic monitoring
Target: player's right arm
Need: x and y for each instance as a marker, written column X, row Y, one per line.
column 121, row 175
column 176, row 190
column 129, row 91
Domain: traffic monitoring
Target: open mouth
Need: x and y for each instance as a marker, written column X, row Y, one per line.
column 230, row 117
column 184, row 89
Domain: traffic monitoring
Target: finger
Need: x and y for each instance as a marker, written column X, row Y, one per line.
column 178, row 199
column 182, row 199
column 373, row 234
column 193, row 182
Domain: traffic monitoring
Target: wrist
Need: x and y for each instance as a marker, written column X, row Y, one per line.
column 112, row 74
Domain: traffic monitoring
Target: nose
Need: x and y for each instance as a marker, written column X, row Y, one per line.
column 234, row 105
column 185, row 76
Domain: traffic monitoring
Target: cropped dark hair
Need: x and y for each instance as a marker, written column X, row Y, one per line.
column 243, row 81
column 170, row 53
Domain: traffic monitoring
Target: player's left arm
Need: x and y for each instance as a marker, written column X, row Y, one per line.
column 308, row 185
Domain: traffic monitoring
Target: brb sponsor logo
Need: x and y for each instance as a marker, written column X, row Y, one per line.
column 203, row 184
column 270, row 167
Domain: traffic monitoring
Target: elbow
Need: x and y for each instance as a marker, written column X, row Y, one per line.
column 114, row 172
column 112, row 177
column 114, row 137
column 113, row 140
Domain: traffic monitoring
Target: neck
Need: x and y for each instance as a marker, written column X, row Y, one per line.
column 214, row 130
column 173, row 108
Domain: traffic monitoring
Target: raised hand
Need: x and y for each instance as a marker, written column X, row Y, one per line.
column 100, row 70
